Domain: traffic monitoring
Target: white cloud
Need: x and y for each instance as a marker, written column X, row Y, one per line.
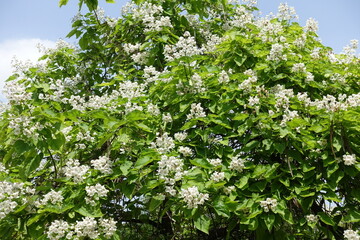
column 23, row 49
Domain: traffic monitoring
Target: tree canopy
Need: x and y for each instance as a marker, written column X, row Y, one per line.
column 183, row 119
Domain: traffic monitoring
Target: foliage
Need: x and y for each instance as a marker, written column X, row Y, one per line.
column 183, row 120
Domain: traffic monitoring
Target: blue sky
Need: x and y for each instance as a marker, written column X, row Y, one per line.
column 25, row 22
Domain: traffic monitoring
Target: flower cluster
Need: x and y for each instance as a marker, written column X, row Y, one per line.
column 311, row 218
column 180, row 136
column 268, row 29
column 170, row 166
column 311, row 25
column 193, row 197
column 298, row 68
column 215, row 162
column 237, row 163
column 242, row 17
column 196, row 111
column 103, row 164
column 186, row 46
column 16, row 91
column 217, row 176
column 247, row 84
column 171, row 170
column 94, row 193
column 276, row 53
column 286, row 13
column 88, row 227
column 351, row 235
column 164, row 143
column 223, row 77
column 10, row 194
column 269, row 203
column 185, row 151
column 349, row 159
column 150, row 15
column 74, row 170
column 53, row 197
column 153, row 109
column 166, row 118
column 136, row 55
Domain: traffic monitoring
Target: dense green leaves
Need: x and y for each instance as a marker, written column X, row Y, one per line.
column 183, row 120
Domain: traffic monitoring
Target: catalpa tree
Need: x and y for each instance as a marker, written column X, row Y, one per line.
column 183, row 120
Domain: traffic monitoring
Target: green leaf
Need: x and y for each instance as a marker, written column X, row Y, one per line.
column 63, row 2
column 352, row 216
column 242, row 182
column 280, row 147
column 259, row 170
column 155, row 202
column 56, row 209
column 125, row 167
column 87, row 210
column 241, row 116
column 21, row 146
column 128, row 189
column 202, row 223
column 269, row 220
column 144, row 127
column 220, row 207
column 221, row 122
column 57, row 142
column 250, row 145
column 326, row 219
column 143, row 161
column 200, row 162
column 110, row 1
column 136, row 115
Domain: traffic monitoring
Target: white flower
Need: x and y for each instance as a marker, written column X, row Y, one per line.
column 311, row 218
column 298, row 67
column 193, row 197
column 108, row 226
column 253, row 101
column 186, row 46
column 269, row 203
column 52, row 197
column 286, row 13
column 130, row 48
column 170, row 190
column 164, row 143
column 180, row 136
column 88, row 227
column 351, row 235
column 311, row 25
column 309, row 77
column 276, row 53
column 196, row 84
column 95, row 193
column 170, row 169
column 57, row 229
column 354, row 43
column 215, row 162
column 223, row 77
column 153, row 109
column 166, row 117
column 74, row 170
column 196, row 111
column 186, row 151
column 218, row 176
column 237, row 163
column 229, row 189
column 349, row 159
column 242, row 17
column 103, row 164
